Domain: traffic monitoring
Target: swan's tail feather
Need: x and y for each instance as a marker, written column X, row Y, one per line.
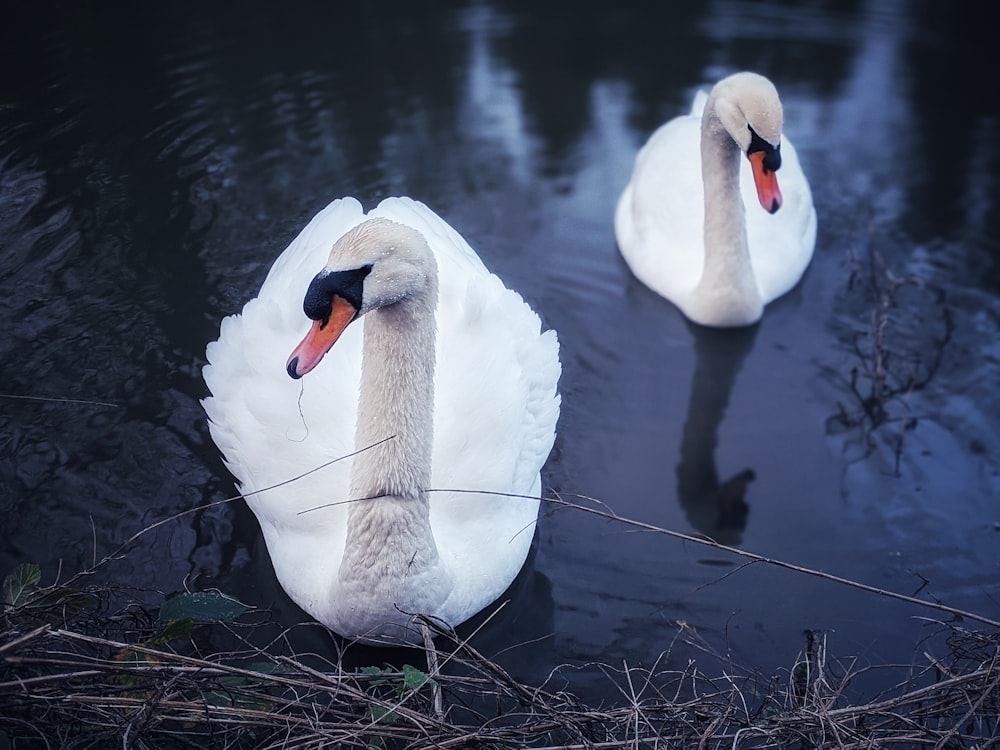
column 698, row 105
column 433, row 227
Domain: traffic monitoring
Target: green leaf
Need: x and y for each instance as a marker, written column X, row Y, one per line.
column 59, row 604
column 19, row 584
column 265, row 667
column 262, row 668
column 238, row 691
column 173, row 630
column 374, row 671
column 202, row 606
column 383, row 714
column 414, row 679
column 235, row 700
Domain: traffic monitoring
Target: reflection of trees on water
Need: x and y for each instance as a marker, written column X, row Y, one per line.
column 716, row 508
column 952, row 176
column 345, row 81
column 897, row 332
column 661, row 51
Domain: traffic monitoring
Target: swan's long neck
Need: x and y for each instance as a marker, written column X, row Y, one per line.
column 389, row 535
column 727, row 277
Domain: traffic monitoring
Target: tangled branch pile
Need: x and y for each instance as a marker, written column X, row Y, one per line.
column 75, row 672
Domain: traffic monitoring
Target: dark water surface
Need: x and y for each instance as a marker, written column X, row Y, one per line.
column 155, row 159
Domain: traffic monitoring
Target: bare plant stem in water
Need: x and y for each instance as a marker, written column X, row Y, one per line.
column 898, row 352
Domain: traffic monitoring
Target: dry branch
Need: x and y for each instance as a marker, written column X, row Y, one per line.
column 58, row 677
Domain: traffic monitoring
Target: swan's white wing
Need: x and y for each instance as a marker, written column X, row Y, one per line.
column 271, row 428
column 659, row 218
column 494, row 365
column 496, row 408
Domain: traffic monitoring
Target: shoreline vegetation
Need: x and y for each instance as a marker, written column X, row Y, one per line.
column 83, row 665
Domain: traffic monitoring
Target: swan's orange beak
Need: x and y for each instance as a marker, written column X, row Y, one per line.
column 321, row 337
column 766, row 181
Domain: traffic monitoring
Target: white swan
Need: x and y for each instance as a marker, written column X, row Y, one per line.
column 448, row 367
column 681, row 224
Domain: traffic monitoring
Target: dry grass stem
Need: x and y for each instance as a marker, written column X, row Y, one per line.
column 125, row 689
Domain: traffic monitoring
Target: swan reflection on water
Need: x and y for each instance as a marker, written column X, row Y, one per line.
column 717, row 509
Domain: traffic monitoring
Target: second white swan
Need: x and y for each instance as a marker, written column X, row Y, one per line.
column 681, row 223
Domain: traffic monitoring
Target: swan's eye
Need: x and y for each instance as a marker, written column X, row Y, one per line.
column 326, row 285
column 772, row 154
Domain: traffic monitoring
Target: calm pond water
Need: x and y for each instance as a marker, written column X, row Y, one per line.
column 155, row 159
